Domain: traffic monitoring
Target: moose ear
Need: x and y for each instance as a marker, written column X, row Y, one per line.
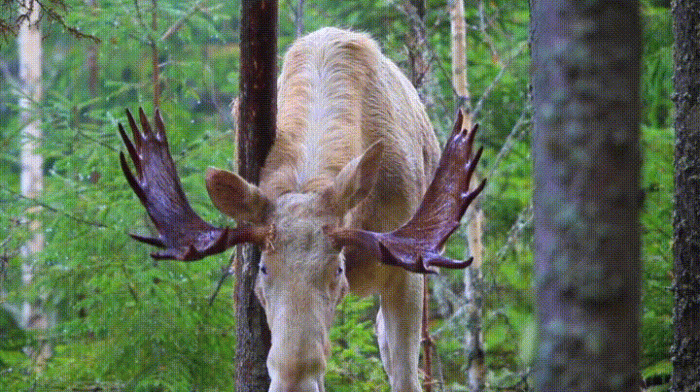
column 236, row 197
column 355, row 180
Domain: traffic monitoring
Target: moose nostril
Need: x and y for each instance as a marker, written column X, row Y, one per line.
column 312, row 384
column 296, row 375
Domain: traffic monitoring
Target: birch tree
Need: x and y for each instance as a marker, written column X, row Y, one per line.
column 31, row 162
column 473, row 277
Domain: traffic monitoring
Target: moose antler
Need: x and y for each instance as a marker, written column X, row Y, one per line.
column 416, row 246
column 182, row 233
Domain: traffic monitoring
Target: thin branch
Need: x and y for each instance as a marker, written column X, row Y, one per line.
column 180, row 22
column 433, row 58
column 9, row 26
column 7, row 75
column 516, row 134
column 155, row 55
column 53, row 209
column 225, row 273
column 427, row 341
column 487, row 92
column 139, row 16
column 523, row 221
column 482, row 29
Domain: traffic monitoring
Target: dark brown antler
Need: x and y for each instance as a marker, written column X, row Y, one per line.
column 416, row 246
column 182, row 233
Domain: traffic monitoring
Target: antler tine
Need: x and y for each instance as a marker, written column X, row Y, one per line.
column 160, row 128
column 145, row 125
column 191, row 253
column 133, row 182
column 469, row 196
column 138, row 138
column 416, row 246
column 131, row 149
column 181, row 232
column 149, row 240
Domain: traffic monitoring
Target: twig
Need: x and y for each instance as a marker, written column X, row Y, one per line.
column 427, row 341
column 155, row 55
column 482, row 28
column 226, row 272
column 54, row 16
column 180, row 22
column 139, row 16
column 523, row 221
column 4, row 259
column 515, row 135
column 5, row 69
column 487, row 92
column 53, row 209
column 433, row 58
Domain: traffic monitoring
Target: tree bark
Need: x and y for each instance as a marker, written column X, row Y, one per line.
column 258, row 106
column 31, row 161
column 155, row 63
column 458, row 42
column 586, row 61
column 416, row 44
column 686, row 244
column 299, row 18
column 473, row 277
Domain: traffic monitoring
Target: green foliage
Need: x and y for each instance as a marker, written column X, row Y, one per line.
column 125, row 324
column 657, row 76
column 354, row 365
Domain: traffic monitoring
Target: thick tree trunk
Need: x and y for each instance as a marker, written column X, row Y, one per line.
column 585, row 61
column 31, row 177
column 258, row 106
column 686, row 244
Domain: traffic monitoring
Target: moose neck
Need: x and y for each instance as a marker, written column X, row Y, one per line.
column 319, row 119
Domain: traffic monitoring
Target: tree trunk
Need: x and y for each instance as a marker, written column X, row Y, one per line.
column 299, row 18
column 258, row 107
column 31, row 177
column 458, row 29
column 686, row 244
column 419, row 64
column 473, row 277
column 155, row 63
column 585, row 61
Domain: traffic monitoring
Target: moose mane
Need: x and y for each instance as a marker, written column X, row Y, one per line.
column 319, row 112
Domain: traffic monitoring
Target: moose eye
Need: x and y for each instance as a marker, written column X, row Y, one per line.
column 263, row 269
column 339, row 271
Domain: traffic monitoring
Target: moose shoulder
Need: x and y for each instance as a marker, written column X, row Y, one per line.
column 354, row 195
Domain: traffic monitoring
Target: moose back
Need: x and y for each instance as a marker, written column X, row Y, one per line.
column 354, row 196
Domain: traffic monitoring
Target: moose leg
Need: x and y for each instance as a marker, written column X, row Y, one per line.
column 383, row 344
column 398, row 330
